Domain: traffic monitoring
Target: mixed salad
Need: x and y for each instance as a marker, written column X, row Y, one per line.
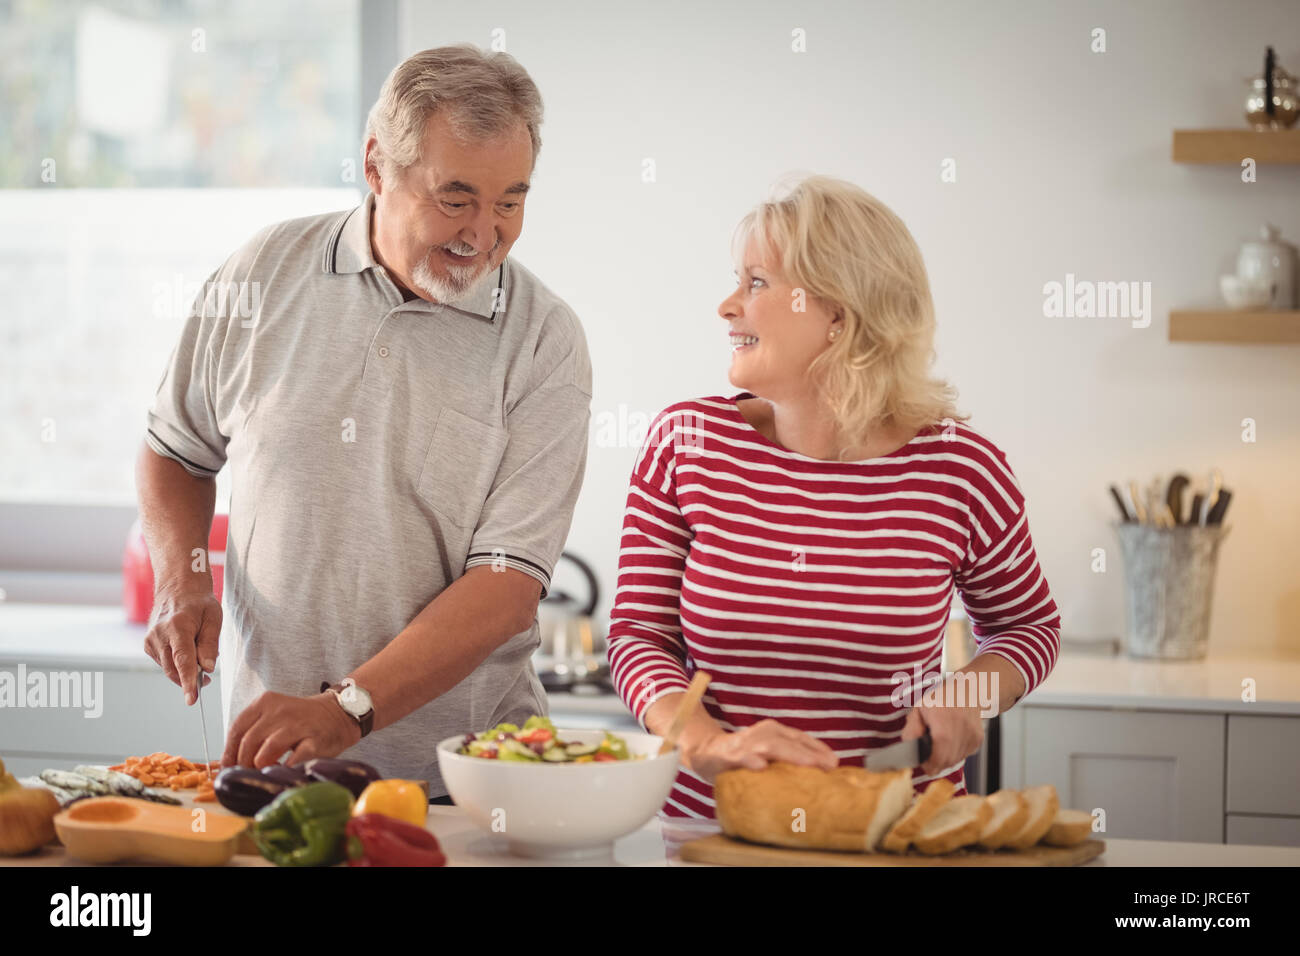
column 538, row 742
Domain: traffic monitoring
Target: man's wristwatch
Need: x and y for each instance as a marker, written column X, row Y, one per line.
column 354, row 700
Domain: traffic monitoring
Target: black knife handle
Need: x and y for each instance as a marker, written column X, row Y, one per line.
column 1174, row 495
column 1119, row 501
column 923, row 747
column 1220, row 508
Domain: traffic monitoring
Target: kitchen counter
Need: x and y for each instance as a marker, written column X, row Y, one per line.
column 95, row 637
column 99, row 636
column 657, row 844
column 1213, row 684
column 140, row 711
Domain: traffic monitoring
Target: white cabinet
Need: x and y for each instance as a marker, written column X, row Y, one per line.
column 1264, row 765
column 1202, row 777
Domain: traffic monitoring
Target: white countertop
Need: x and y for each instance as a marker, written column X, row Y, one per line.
column 658, row 842
column 97, row 636
column 1214, row 683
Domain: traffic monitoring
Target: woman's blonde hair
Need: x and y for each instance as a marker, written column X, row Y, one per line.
column 845, row 247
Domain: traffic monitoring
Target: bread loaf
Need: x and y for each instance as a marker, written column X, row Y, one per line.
column 847, row 808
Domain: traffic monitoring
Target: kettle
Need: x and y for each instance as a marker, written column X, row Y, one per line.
column 570, row 654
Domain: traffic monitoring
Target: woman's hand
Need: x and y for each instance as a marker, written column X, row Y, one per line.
column 754, row 747
column 956, row 730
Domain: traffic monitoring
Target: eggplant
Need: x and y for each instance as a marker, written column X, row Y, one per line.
column 290, row 776
column 353, row 774
column 244, row 790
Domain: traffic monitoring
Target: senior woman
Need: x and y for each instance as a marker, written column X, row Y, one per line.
column 801, row 540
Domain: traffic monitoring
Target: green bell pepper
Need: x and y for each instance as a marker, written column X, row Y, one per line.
column 305, row 826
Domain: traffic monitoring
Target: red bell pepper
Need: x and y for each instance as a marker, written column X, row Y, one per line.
column 377, row 840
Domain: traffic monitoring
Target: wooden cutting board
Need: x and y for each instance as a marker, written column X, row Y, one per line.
column 724, row 850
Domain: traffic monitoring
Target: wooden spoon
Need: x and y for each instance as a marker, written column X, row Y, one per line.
column 684, row 711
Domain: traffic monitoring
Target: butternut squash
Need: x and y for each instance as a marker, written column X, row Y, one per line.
column 109, row 829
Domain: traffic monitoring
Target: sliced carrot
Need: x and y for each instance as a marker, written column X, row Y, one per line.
column 146, row 779
column 207, row 796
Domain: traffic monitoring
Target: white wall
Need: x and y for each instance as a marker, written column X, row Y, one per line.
column 1063, row 166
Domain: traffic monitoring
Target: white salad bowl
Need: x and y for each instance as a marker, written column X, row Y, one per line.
column 562, row 810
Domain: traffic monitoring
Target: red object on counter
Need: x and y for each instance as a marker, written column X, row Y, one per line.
column 137, row 569
column 377, row 840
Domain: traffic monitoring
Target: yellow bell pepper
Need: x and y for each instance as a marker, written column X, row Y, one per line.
column 399, row 799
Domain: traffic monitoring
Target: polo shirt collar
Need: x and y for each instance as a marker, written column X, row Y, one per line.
column 348, row 251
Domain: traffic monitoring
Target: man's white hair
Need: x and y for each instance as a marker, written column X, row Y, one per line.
column 481, row 94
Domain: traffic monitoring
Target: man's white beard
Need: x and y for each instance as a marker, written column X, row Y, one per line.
column 458, row 285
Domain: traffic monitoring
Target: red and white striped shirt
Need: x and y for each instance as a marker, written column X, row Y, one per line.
column 804, row 586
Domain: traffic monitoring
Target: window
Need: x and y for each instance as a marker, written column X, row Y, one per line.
column 143, row 142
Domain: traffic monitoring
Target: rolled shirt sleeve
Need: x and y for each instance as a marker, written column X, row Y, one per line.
column 182, row 420
column 529, row 509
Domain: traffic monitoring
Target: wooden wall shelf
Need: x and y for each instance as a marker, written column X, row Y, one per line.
column 1234, row 145
column 1240, row 328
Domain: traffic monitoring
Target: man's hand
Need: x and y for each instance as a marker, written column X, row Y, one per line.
column 180, row 621
column 313, row 726
column 956, row 730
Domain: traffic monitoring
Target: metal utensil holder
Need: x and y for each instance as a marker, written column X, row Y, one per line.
column 1169, row 582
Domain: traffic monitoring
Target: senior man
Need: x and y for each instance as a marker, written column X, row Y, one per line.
column 405, row 417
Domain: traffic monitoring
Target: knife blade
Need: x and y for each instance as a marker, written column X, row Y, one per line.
column 902, row 755
column 203, row 721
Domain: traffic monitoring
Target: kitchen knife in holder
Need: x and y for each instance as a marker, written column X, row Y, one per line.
column 1168, row 583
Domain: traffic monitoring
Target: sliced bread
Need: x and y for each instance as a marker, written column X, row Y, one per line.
column 1010, row 812
column 1068, row 828
column 923, row 809
column 1043, row 804
column 957, row 824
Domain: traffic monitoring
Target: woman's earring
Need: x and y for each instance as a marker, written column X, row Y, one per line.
column 834, row 334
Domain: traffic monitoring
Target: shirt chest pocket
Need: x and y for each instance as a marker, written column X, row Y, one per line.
column 459, row 467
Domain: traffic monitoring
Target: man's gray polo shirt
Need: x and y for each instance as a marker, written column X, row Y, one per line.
column 378, row 449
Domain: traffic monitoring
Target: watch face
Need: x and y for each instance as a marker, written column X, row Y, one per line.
column 354, row 700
